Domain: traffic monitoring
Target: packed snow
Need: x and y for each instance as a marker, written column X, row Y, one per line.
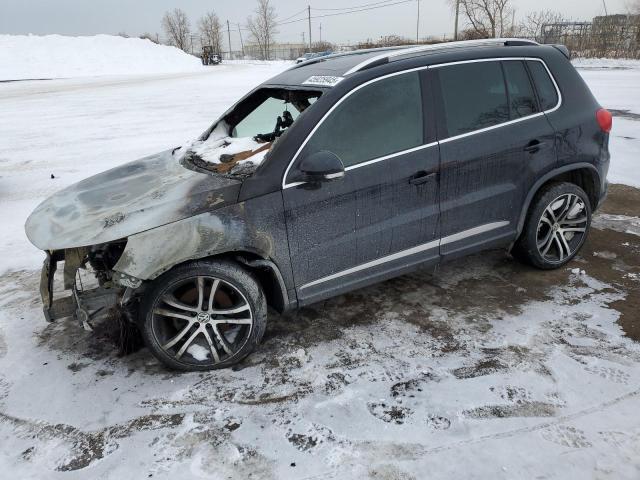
column 57, row 56
column 488, row 370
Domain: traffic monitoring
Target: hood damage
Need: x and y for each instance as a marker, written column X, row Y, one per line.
column 126, row 200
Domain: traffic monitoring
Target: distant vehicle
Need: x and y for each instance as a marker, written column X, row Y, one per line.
column 327, row 178
column 209, row 57
column 310, row 55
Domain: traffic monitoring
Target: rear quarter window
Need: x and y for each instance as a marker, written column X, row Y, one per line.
column 547, row 93
column 522, row 99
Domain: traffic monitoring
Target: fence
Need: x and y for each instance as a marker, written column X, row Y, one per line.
column 612, row 36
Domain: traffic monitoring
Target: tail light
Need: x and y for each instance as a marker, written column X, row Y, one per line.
column 605, row 119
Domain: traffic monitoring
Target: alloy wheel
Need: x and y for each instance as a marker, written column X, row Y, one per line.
column 562, row 228
column 202, row 320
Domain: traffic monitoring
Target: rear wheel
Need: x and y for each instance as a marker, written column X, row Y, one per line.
column 203, row 315
column 556, row 226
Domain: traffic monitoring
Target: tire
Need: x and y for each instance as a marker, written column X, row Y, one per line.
column 188, row 329
column 555, row 227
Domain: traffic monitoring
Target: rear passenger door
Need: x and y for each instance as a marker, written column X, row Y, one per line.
column 382, row 217
column 494, row 142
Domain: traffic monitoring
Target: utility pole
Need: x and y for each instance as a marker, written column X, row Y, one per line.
column 605, row 8
column 229, row 37
column 513, row 22
column 241, row 42
column 455, row 28
column 309, row 17
column 418, row 24
column 320, row 32
column 304, row 42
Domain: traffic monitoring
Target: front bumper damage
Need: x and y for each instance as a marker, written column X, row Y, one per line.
column 84, row 303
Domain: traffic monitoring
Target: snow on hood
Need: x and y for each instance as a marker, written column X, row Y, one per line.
column 224, row 154
column 125, row 200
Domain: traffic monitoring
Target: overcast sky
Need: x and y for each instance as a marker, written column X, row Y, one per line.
column 86, row 17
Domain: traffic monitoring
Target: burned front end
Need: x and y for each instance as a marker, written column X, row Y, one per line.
column 91, row 288
column 87, row 228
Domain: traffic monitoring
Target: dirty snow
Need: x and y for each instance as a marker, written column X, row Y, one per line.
column 58, row 56
column 487, row 370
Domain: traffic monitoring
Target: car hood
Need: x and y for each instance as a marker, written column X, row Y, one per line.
column 125, row 200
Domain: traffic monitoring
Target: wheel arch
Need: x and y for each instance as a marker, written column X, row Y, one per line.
column 584, row 175
column 265, row 270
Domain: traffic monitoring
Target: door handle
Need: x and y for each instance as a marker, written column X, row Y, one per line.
column 421, row 177
column 533, row 146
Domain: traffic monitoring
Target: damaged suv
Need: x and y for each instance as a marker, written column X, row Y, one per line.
column 340, row 172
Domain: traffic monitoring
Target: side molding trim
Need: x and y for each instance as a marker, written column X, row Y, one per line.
column 410, row 251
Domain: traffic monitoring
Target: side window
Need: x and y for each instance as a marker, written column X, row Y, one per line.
column 544, row 85
column 382, row 118
column 522, row 100
column 474, row 96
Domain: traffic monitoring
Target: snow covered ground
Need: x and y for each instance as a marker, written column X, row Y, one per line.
column 488, row 370
column 616, row 84
column 58, row 56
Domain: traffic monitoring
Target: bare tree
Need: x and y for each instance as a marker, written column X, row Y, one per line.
column 486, row 18
column 150, row 37
column 534, row 22
column 322, row 46
column 177, row 27
column 262, row 26
column 635, row 7
column 211, row 31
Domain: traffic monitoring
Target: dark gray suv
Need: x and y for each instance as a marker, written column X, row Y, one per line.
column 340, row 172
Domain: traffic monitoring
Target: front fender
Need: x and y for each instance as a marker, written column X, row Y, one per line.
column 150, row 253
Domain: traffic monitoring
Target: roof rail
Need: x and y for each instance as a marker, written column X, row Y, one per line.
column 311, row 61
column 384, row 58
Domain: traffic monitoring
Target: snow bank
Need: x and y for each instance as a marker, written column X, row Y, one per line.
column 57, row 56
column 617, row 63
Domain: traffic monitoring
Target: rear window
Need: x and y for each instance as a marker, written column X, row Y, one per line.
column 522, row 100
column 474, row 96
column 547, row 92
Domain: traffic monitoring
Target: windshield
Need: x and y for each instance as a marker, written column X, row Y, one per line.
column 243, row 138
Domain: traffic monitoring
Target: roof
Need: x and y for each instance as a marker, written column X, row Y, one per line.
column 346, row 64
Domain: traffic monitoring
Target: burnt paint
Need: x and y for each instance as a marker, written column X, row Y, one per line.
column 126, row 200
column 256, row 226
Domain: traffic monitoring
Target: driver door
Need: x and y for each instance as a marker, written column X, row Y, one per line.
column 382, row 217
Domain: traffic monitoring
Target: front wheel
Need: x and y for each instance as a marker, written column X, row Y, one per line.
column 556, row 226
column 203, row 315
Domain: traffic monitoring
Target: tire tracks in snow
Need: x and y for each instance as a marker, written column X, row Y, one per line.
column 368, row 453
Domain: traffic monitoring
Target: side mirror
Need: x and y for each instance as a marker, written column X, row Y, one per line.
column 322, row 166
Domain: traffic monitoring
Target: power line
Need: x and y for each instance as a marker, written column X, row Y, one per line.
column 363, row 9
column 349, row 10
column 354, row 6
column 398, row 2
column 304, row 10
